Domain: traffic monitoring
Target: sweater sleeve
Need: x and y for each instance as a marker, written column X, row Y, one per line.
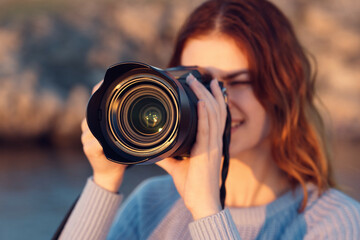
column 217, row 226
column 93, row 213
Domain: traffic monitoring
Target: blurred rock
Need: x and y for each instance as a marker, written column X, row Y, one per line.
column 53, row 52
column 68, row 121
column 26, row 112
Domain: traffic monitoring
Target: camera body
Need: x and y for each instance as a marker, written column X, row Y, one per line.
column 142, row 114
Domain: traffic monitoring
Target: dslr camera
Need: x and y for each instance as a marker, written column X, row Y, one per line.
column 142, row 114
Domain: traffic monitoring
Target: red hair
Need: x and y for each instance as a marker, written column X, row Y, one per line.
column 283, row 82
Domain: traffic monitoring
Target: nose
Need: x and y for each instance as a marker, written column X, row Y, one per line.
column 230, row 102
column 229, row 96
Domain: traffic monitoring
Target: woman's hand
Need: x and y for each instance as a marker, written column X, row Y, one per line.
column 107, row 174
column 197, row 179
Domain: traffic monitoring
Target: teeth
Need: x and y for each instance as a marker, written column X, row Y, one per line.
column 236, row 124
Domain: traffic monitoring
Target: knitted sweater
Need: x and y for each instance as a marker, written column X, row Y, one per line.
column 156, row 211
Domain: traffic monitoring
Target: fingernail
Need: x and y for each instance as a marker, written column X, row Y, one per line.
column 190, row 78
column 215, row 82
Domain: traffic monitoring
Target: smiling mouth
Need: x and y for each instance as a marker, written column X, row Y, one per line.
column 237, row 124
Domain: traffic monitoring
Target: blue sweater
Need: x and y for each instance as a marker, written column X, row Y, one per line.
column 156, row 211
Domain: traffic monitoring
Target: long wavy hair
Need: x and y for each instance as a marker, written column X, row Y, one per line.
column 283, row 82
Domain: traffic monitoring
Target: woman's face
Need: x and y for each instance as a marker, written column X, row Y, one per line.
column 226, row 61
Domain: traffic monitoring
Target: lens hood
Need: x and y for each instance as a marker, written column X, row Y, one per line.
column 132, row 96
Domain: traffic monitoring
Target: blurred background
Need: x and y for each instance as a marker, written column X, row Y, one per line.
column 53, row 52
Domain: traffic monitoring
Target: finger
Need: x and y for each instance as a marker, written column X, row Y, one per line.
column 201, row 92
column 93, row 149
column 213, row 137
column 211, row 105
column 87, row 136
column 216, row 106
column 207, row 132
column 219, row 96
column 84, row 125
column 203, row 131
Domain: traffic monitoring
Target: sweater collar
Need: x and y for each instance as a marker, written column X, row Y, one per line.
column 289, row 201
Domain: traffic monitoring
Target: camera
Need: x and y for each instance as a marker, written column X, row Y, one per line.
column 142, row 114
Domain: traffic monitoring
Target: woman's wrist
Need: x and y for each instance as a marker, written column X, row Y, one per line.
column 108, row 182
column 205, row 212
column 205, row 209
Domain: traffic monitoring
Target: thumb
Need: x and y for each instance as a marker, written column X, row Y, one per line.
column 168, row 164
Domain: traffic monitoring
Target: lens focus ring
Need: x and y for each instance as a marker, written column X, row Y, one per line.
column 142, row 115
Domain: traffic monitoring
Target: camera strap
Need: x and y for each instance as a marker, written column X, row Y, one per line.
column 225, row 166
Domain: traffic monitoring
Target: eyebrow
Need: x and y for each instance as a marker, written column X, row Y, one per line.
column 234, row 74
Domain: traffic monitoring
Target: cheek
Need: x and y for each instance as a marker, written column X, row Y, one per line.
column 258, row 118
column 257, row 127
column 252, row 139
column 265, row 127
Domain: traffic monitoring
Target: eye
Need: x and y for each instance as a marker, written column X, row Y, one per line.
column 238, row 80
column 239, row 84
column 235, row 83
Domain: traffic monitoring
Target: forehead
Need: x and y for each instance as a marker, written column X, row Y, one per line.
column 214, row 51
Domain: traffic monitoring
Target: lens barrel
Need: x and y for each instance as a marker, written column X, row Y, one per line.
column 142, row 114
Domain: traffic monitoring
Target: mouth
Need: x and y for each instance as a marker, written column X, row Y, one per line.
column 236, row 124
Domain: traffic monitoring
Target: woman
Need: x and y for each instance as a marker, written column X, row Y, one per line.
column 279, row 181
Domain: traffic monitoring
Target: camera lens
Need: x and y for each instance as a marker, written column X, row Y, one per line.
column 142, row 115
column 147, row 115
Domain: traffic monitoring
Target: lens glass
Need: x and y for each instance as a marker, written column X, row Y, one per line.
column 147, row 115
